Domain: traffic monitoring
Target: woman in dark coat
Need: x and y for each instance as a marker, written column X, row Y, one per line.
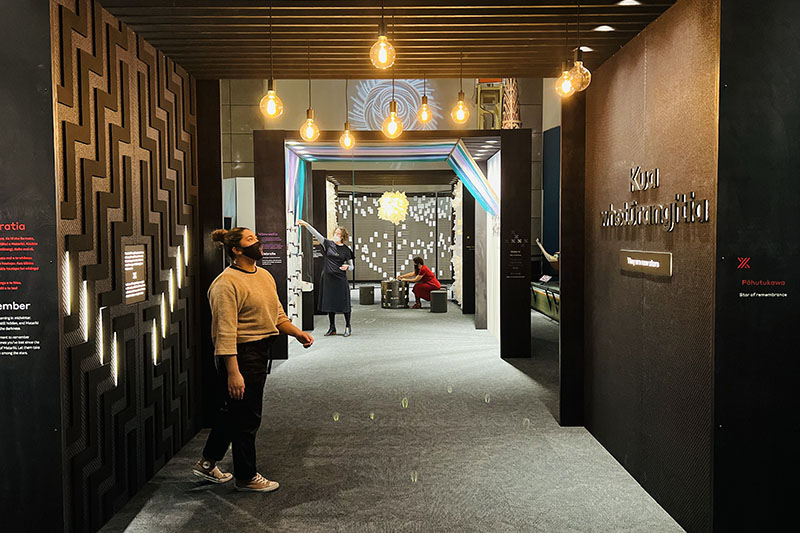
column 334, row 289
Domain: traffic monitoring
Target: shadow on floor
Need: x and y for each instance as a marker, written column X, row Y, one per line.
column 542, row 367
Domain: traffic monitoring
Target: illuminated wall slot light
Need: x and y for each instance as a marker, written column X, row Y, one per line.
column 179, row 267
column 186, row 245
column 154, row 339
column 171, row 290
column 85, row 310
column 101, row 334
column 67, row 285
column 115, row 359
column 163, row 316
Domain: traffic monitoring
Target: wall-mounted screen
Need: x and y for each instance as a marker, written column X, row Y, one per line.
column 135, row 265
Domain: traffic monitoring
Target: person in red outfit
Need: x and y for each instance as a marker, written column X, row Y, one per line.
column 425, row 281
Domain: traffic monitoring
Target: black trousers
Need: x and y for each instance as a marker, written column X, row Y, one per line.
column 238, row 421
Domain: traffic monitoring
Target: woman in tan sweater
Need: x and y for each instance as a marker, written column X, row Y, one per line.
column 246, row 317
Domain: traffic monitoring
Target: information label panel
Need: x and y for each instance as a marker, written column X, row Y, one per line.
column 652, row 263
column 135, row 264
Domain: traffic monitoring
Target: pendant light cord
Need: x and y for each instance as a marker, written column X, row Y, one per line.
column 578, row 24
column 566, row 40
column 309, row 73
column 271, row 72
column 461, row 72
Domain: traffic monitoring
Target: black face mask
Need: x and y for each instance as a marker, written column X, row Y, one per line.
column 253, row 251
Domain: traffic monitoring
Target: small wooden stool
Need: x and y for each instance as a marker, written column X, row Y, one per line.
column 439, row 301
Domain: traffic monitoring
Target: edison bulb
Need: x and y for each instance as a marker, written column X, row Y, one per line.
column 564, row 86
column 580, row 76
column 392, row 126
column 347, row 141
column 382, row 53
column 460, row 112
column 309, row 131
column 271, row 105
column 424, row 114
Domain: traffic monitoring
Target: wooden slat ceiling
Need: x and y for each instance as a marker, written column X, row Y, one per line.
column 221, row 39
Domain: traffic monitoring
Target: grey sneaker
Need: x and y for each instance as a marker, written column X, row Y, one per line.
column 210, row 472
column 258, row 484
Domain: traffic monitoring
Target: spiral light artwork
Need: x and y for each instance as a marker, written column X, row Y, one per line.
column 370, row 104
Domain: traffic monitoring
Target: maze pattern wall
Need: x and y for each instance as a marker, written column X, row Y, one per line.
column 125, row 175
column 426, row 232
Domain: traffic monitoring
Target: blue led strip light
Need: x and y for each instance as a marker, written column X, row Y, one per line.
column 295, row 181
column 473, row 178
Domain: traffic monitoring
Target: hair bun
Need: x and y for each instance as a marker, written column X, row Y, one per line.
column 218, row 236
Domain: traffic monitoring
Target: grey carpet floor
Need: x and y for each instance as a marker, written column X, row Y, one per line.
column 412, row 424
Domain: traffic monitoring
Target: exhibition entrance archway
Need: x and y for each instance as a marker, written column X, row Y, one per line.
column 493, row 168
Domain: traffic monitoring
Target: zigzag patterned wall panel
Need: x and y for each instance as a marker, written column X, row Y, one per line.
column 125, row 176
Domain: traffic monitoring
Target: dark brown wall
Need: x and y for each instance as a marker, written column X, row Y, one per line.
column 756, row 363
column 211, row 258
column 649, row 341
column 270, row 192
column 572, row 207
column 30, row 418
column 125, row 174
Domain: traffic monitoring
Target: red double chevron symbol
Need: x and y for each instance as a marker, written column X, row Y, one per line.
column 744, row 262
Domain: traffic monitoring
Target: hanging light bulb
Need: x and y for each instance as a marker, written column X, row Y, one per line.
column 309, row 131
column 424, row 114
column 564, row 85
column 580, row 75
column 460, row 112
column 347, row 141
column 392, row 126
column 271, row 105
column 382, row 53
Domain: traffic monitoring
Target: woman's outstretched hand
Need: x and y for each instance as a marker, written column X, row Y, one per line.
column 301, row 222
column 305, row 339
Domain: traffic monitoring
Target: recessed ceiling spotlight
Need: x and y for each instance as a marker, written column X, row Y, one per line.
column 587, row 48
column 629, row 3
column 604, row 27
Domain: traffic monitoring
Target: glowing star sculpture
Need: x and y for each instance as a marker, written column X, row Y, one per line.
column 393, row 206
